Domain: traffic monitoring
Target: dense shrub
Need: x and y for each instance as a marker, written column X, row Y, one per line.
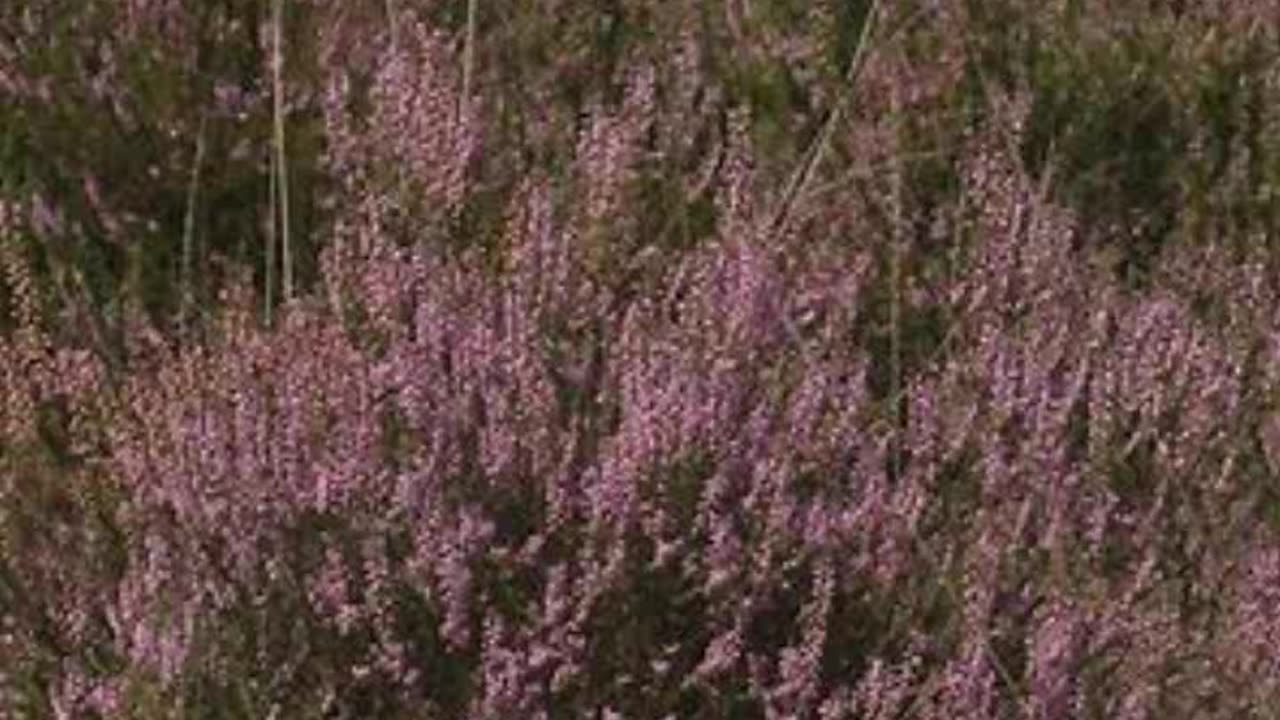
column 778, row 369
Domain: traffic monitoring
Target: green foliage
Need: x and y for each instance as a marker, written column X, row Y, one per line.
column 1108, row 115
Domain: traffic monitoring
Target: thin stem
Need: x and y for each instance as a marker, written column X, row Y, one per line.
column 469, row 56
column 822, row 141
column 270, row 262
column 818, row 147
column 895, row 278
column 393, row 24
column 189, row 225
column 960, row 225
column 277, row 67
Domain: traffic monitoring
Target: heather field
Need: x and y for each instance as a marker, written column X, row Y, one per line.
column 639, row 359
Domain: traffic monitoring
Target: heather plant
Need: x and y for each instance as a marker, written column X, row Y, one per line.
column 809, row 390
